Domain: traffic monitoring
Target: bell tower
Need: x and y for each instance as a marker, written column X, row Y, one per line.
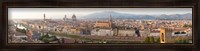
column 162, row 35
column 110, row 21
column 44, row 17
column 65, row 18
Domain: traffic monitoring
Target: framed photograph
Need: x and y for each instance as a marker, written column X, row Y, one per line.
column 99, row 26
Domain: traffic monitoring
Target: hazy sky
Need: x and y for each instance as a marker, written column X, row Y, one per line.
column 37, row 13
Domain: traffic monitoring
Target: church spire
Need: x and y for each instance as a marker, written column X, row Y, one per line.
column 44, row 22
column 110, row 20
column 44, row 16
column 65, row 18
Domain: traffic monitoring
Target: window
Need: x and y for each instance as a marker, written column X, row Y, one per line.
column 162, row 37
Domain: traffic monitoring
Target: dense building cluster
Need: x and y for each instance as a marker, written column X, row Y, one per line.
column 73, row 30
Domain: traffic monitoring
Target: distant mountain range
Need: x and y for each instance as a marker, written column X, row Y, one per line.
column 106, row 14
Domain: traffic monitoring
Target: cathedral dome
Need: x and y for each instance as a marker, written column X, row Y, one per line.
column 73, row 16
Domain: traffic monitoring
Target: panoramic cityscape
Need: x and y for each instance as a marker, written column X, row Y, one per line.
column 100, row 25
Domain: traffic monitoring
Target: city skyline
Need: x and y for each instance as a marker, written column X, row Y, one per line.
column 57, row 13
column 111, row 26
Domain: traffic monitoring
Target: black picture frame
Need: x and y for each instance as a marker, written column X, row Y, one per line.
column 101, row 4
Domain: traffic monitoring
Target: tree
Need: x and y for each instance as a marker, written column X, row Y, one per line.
column 151, row 40
column 147, row 40
column 187, row 25
column 181, row 40
column 21, row 30
column 183, row 32
column 46, row 38
column 158, row 40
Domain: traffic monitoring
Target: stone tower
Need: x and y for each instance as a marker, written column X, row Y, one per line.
column 165, row 35
column 65, row 18
column 110, row 21
column 162, row 35
column 44, row 17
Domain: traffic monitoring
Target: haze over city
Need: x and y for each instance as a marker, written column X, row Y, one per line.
column 57, row 13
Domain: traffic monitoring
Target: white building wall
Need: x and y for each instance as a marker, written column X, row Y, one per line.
column 65, row 31
column 102, row 32
column 154, row 34
column 126, row 33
